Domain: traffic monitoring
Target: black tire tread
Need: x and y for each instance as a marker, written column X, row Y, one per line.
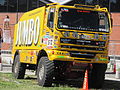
column 49, row 67
column 21, row 68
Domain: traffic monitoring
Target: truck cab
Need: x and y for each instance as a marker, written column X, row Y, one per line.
column 80, row 33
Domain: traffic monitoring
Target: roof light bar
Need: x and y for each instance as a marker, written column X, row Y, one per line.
column 87, row 6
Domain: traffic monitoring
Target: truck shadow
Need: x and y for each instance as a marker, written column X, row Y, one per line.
column 30, row 78
column 110, row 84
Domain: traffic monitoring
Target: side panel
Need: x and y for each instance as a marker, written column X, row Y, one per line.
column 28, row 56
column 27, row 35
column 29, row 29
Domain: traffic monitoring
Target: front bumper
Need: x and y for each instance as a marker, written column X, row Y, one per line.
column 66, row 56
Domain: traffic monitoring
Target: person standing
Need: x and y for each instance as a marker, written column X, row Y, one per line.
column 6, row 30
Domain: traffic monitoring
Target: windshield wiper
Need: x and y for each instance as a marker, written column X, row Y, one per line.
column 77, row 20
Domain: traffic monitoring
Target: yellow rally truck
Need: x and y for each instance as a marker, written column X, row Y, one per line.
column 59, row 42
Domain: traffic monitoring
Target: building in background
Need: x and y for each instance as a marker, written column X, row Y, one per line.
column 15, row 8
column 26, row 5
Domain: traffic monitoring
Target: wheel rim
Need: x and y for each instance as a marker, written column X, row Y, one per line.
column 16, row 67
column 41, row 72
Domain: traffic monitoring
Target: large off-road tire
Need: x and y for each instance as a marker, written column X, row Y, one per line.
column 45, row 72
column 97, row 75
column 18, row 68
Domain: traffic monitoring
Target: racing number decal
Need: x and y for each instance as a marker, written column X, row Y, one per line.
column 50, row 42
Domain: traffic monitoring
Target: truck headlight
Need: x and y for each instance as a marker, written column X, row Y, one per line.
column 75, row 34
column 104, row 37
column 96, row 36
column 66, row 34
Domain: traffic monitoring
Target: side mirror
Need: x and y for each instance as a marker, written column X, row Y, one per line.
column 50, row 24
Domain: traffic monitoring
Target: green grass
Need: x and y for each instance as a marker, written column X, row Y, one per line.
column 8, row 82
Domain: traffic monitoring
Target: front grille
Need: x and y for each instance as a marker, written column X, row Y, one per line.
column 83, row 42
column 81, row 55
column 82, row 48
column 86, row 49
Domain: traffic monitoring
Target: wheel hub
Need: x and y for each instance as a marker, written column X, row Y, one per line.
column 41, row 72
column 16, row 67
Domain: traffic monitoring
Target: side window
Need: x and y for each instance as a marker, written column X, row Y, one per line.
column 51, row 18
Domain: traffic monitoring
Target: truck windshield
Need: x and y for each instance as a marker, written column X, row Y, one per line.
column 77, row 19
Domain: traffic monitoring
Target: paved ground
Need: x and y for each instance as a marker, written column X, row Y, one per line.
column 8, row 69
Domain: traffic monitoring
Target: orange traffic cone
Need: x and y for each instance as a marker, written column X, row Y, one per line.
column 85, row 83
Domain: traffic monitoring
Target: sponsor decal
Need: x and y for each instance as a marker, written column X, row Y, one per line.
column 60, row 56
column 49, row 47
column 55, row 46
column 103, row 59
column 48, row 40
